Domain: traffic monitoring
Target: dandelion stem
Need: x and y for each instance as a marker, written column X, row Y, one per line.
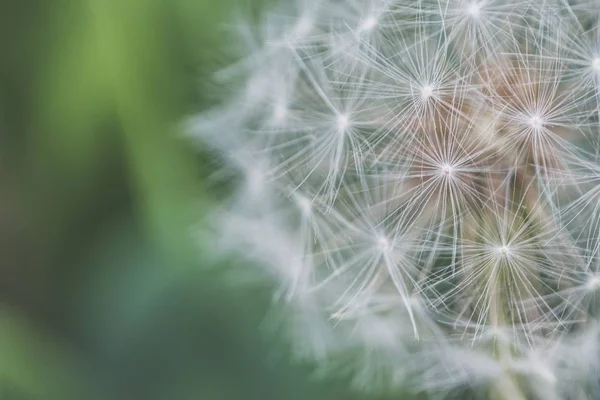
column 505, row 387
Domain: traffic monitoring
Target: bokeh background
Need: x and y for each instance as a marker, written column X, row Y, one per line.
column 106, row 292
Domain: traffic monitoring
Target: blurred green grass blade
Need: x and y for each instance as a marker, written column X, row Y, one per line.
column 141, row 70
column 34, row 365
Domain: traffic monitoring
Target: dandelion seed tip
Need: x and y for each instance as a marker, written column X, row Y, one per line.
column 342, row 122
column 304, row 204
column 474, row 9
column 426, row 92
column 369, row 24
column 596, row 64
column 447, row 169
column 303, row 26
column 594, row 283
column 255, row 179
column 280, row 112
column 536, row 122
column 414, row 300
column 546, row 374
column 503, row 250
column 383, row 243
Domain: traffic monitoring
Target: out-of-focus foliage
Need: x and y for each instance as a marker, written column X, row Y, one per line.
column 104, row 292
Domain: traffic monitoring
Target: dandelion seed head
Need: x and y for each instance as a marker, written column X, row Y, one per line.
column 423, row 187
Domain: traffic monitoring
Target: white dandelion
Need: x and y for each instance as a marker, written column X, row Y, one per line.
column 421, row 179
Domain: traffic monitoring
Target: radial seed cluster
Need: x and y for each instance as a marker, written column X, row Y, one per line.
column 422, row 180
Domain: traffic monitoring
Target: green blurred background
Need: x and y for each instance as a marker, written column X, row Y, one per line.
column 104, row 292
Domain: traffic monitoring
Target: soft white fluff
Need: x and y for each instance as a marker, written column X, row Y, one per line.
column 422, row 180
